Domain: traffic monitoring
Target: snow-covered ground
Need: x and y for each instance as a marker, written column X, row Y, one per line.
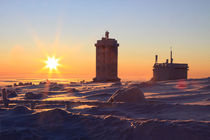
column 174, row 110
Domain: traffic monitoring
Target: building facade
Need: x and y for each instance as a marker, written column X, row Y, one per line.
column 169, row 71
column 106, row 60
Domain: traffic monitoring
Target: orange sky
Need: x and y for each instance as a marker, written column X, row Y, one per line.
column 21, row 61
column 31, row 31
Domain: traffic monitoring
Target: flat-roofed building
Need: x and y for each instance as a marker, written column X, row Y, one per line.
column 169, row 71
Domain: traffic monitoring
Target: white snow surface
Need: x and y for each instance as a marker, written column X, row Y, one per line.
column 172, row 110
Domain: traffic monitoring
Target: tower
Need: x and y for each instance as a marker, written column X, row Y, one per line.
column 106, row 60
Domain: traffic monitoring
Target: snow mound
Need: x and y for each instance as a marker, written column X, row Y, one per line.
column 11, row 93
column 56, row 87
column 73, row 90
column 131, row 94
column 21, row 134
column 54, row 115
column 21, row 110
column 31, row 95
column 205, row 87
column 116, row 84
column 173, row 130
column 142, row 84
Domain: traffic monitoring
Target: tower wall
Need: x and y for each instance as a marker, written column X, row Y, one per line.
column 100, row 62
column 106, row 60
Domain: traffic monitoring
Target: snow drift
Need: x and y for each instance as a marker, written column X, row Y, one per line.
column 131, row 94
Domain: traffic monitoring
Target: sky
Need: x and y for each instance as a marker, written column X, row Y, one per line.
column 31, row 30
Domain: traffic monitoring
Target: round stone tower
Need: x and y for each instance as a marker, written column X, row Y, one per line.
column 106, row 60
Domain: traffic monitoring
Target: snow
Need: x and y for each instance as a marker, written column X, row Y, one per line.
column 131, row 94
column 175, row 110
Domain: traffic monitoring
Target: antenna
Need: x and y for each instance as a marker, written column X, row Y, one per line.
column 171, row 55
column 156, row 59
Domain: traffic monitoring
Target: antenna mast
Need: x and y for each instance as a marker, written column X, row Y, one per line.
column 171, row 55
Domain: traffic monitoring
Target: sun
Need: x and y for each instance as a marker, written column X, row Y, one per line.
column 52, row 63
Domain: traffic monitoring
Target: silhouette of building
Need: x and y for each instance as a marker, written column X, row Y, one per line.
column 169, row 71
column 106, row 60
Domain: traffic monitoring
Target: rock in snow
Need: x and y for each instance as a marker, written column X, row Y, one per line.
column 131, row 94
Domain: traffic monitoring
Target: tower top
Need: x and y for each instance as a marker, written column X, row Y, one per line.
column 106, row 41
column 106, row 34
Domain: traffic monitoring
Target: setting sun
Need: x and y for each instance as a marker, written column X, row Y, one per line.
column 52, row 63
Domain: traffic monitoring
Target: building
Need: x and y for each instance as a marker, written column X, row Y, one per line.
column 106, row 60
column 169, row 71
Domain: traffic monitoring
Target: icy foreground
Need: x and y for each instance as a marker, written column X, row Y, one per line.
column 174, row 110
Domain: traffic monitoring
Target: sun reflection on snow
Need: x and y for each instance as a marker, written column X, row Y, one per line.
column 181, row 84
column 61, row 98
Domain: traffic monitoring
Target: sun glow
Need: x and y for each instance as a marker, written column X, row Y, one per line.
column 52, row 63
